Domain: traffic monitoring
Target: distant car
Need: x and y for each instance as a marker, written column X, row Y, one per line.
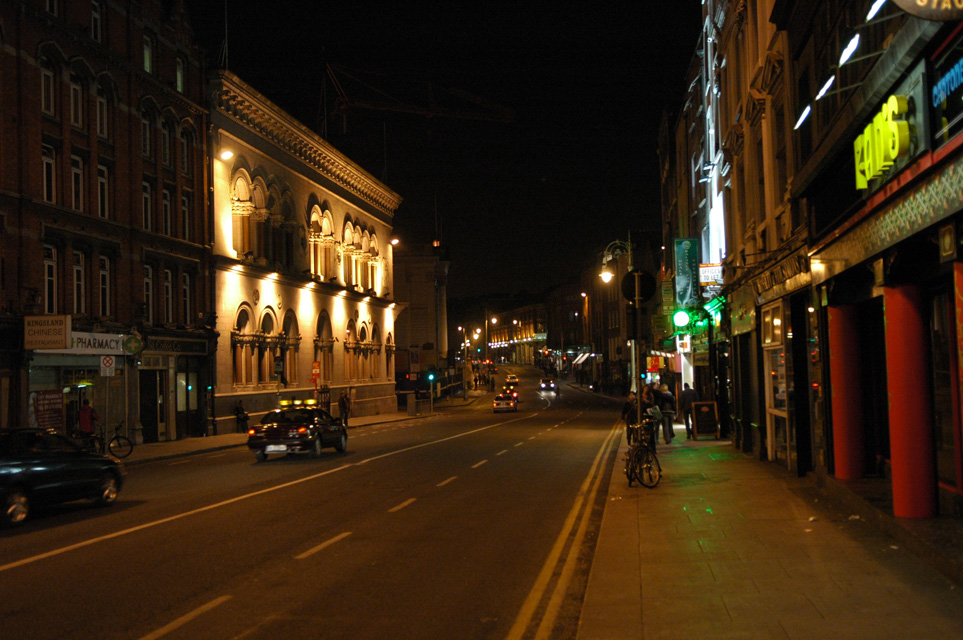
column 547, row 384
column 297, row 429
column 510, row 390
column 511, row 378
column 42, row 467
column 504, row 402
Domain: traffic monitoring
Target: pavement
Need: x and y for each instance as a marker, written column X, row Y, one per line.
column 728, row 546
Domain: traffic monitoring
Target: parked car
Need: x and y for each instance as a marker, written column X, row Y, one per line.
column 547, row 384
column 296, row 429
column 504, row 402
column 42, row 467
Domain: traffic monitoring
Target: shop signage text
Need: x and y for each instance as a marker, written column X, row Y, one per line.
column 884, row 140
column 46, row 332
column 940, row 10
column 710, row 274
column 93, row 343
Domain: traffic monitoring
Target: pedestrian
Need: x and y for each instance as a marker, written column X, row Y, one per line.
column 241, row 415
column 667, row 406
column 344, row 408
column 630, row 414
column 648, row 406
column 686, row 398
column 88, row 417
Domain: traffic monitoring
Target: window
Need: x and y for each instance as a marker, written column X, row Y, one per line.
column 103, row 192
column 102, row 112
column 47, row 87
column 149, row 293
column 104, row 279
column 166, row 212
column 186, row 152
column 148, row 54
column 186, row 297
column 76, row 101
column 79, row 289
column 186, row 215
column 49, row 174
column 146, row 127
column 168, row 296
column 179, row 75
column 97, row 20
column 147, row 206
column 76, row 183
column 49, row 279
column 166, row 142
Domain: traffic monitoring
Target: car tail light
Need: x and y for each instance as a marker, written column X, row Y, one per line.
column 251, row 432
column 302, row 429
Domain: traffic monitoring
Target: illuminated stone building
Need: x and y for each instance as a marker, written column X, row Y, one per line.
column 303, row 263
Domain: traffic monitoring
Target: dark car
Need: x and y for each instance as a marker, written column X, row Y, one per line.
column 298, row 429
column 547, row 384
column 40, row 467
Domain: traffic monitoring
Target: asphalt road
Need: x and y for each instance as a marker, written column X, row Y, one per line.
column 463, row 525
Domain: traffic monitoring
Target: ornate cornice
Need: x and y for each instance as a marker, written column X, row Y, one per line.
column 234, row 99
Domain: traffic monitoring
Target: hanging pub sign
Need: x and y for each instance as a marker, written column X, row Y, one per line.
column 939, row 10
column 687, row 272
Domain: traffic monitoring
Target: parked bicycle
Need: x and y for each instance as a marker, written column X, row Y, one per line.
column 641, row 463
column 119, row 446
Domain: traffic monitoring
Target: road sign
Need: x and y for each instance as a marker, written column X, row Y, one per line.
column 107, row 366
column 278, row 364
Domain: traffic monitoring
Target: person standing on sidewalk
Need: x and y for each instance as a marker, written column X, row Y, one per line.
column 686, row 398
column 344, row 408
column 667, row 406
column 87, row 420
column 241, row 415
column 630, row 414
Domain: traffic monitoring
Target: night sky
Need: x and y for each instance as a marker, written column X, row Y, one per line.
column 521, row 205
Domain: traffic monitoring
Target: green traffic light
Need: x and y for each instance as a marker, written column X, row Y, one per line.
column 680, row 318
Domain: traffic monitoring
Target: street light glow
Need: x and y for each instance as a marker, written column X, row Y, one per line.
column 606, row 276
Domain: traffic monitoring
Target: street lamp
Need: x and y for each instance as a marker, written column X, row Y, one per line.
column 612, row 251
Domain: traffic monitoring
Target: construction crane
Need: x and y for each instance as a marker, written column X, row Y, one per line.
column 439, row 102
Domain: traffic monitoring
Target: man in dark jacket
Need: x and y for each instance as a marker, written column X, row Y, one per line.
column 686, row 398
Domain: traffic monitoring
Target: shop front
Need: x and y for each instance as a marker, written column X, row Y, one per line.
column 173, row 376
column 94, row 367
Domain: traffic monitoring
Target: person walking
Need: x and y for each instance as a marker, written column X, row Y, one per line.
column 88, row 418
column 241, row 415
column 667, row 406
column 686, row 398
column 344, row 408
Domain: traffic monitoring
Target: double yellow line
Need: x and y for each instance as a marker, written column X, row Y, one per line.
column 578, row 517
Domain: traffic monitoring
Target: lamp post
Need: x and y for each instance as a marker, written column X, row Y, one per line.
column 613, row 250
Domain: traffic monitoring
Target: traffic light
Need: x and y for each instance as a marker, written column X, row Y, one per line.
column 681, row 318
column 431, row 376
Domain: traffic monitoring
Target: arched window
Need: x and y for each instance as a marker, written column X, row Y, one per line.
column 389, row 357
column 324, row 348
column 376, row 346
column 267, row 348
column 364, row 354
column 289, row 347
column 243, row 346
column 351, row 348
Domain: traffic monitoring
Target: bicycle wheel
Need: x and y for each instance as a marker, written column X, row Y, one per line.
column 120, row 446
column 647, row 469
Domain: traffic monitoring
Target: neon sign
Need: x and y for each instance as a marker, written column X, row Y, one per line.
column 884, row 140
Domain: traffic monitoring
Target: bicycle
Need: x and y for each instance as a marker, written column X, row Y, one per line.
column 641, row 463
column 119, row 446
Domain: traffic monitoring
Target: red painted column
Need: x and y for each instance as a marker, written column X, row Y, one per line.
column 910, row 404
column 846, row 392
